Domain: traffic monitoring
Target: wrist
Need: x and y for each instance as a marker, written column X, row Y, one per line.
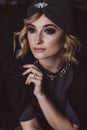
column 40, row 96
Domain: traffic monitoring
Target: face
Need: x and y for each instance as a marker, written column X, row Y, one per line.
column 45, row 39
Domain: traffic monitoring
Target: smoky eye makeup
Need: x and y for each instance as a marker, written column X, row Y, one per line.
column 31, row 29
column 50, row 31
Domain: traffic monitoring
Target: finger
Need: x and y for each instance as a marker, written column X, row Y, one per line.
column 33, row 76
column 32, row 70
column 28, row 78
column 30, row 66
column 27, row 66
column 35, row 81
column 26, row 72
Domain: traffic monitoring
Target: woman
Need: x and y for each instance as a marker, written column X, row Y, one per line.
column 48, row 71
column 48, row 38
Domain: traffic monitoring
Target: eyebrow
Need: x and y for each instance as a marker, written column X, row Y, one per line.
column 47, row 25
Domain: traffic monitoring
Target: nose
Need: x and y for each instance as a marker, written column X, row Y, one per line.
column 39, row 38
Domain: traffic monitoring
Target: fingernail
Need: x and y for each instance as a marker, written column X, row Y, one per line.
column 23, row 73
column 23, row 66
column 26, row 83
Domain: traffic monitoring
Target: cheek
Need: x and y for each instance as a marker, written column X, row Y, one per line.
column 55, row 43
column 30, row 39
column 57, row 39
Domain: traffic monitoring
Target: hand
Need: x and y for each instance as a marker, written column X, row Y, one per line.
column 35, row 76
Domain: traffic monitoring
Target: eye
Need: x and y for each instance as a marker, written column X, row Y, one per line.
column 50, row 31
column 31, row 29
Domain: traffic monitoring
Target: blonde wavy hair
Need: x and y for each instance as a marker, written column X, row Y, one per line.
column 71, row 43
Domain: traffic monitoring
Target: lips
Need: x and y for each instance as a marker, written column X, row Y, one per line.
column 39, row 50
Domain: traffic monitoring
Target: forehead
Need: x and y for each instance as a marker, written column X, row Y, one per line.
column 43, row 20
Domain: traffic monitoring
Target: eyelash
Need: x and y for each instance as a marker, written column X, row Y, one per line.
column 48, row 31
column 31, row 30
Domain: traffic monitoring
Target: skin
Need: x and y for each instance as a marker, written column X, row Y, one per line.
column 46, row 43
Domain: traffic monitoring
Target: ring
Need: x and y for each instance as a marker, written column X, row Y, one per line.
column 35, row 76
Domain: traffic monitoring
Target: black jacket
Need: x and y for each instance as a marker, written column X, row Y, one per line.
column 77, row 92
column 10, row 76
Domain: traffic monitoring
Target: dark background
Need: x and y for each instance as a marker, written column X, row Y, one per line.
column 12, row 13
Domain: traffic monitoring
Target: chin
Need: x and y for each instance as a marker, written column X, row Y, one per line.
column 39, row 57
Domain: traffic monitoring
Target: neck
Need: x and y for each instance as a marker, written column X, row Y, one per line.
column 52, row 65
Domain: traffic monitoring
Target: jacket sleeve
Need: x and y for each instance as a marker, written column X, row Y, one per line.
column 77, row 94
